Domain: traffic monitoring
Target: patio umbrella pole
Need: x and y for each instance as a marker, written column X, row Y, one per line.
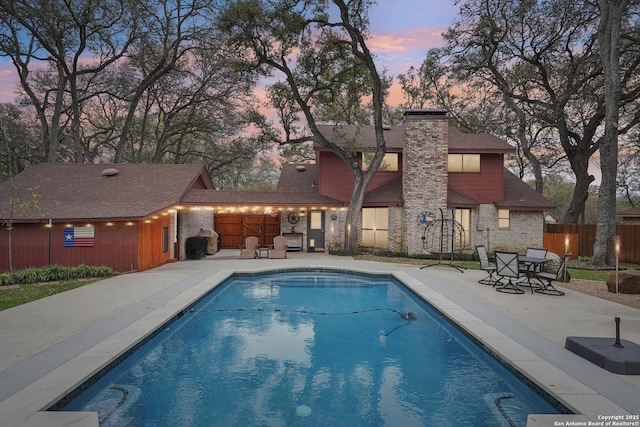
column 618, row 343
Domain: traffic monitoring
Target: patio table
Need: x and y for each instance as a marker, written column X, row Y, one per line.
column 533, row 265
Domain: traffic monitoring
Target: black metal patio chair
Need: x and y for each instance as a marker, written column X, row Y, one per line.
column 507, row 268
column 547, row 278
column 486, row 267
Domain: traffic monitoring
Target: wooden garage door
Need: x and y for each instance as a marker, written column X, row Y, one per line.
column 235, row 228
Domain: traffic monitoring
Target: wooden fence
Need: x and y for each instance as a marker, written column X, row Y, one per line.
column 583, row 236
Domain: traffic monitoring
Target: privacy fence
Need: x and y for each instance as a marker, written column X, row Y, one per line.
column 581, row 238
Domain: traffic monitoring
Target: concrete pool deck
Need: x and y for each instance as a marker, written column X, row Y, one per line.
column 48, row 347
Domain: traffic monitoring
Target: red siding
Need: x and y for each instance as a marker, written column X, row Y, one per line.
column 336, row 179
column 150, row 253
column 486, row 186
column 116, row 246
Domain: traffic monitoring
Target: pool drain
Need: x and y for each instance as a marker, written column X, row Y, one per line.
column 303, row 411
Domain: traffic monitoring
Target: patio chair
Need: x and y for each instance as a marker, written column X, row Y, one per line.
column 484, row 266
column 250, row 247
column 279, row 247
column 546, row 278
column 507, row 267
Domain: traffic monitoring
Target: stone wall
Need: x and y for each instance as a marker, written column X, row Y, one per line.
column 424, row 178
column 396, row 230
column 191, row 221
column 526, row 230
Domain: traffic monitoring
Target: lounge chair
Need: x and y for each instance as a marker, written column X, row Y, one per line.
column 547, row 278
column 279, row 247
column 507, row 267
column 484, row 265
column 250, row 247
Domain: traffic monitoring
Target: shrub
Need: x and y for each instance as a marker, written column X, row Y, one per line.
column 52, row 273
column 104, row 271
column 55, row 273
column 7, row 279
column 28, row 276
column 81, row 272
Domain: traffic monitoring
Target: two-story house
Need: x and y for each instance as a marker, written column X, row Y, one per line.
column 145, row 213
column 430, row 171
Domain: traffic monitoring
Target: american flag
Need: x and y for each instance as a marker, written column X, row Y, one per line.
column 79, row 237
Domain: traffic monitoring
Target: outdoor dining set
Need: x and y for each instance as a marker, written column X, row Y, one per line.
column 510, row 271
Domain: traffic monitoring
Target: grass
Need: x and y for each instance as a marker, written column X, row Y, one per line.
column 27, row 293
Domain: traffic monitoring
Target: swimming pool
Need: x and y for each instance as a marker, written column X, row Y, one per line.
column 310, row 348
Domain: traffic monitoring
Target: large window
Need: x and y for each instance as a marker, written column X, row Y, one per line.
column 389, row 162
column 375, row 227
column 463, row 216
column 503, row 218
column 464, row 163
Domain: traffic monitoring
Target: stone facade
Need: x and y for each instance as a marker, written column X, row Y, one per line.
column 525, row 230
column 396, row 226
column 424, row 178
column 191, row 222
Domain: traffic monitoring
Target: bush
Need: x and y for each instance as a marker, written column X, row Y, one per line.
column 28, row 276
column 53, row 273
column 81, row 272
column 7, row 279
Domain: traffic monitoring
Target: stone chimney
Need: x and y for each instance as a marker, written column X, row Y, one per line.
column 424, row 178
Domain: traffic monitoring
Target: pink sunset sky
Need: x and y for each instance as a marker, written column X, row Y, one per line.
column 401, row 33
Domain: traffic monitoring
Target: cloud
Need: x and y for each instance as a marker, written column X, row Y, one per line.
column 409, row 40
column 8, row 82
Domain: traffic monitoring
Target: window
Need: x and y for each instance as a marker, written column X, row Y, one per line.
column 375, row 227
column 165, row 239
column 463, row 216
column 389, row 162
column 464, row 163
column 503, row 218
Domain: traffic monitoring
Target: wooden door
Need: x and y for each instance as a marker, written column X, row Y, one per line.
column 235, row 228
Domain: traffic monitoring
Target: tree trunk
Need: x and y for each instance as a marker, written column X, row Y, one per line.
column 609, row 43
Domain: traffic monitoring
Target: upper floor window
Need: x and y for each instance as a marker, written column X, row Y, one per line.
column 389, row 162
column 464, row 162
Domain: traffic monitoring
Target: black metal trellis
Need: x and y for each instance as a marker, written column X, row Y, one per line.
column 444, row 236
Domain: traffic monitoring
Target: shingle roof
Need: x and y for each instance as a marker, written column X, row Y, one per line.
column 459, row 200
column 518, row 195
column 629, row 212
column 459, row 142
column 301, row 178
column 81, row 191
column 296, row 186
column 260, row 198
column 387, row 194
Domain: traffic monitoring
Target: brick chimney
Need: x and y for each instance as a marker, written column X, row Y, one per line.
column 424, row 178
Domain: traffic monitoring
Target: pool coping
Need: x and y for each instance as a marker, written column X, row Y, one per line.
column 26, row 406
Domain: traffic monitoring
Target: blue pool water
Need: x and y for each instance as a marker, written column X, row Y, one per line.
column 310, row 349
